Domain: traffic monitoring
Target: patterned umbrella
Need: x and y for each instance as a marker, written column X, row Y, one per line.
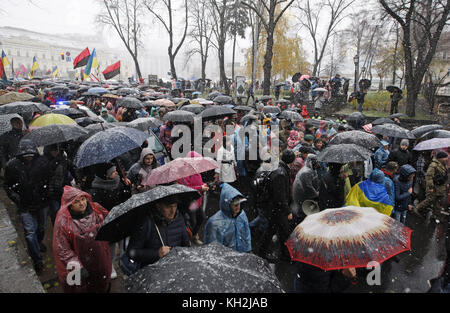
column 435, row 143
column 347, row 237
column 180, row 168
column 52, row 119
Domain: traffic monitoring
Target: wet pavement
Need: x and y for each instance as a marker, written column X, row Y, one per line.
column 410, row 272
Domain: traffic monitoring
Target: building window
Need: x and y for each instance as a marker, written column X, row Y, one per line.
column 18, row 53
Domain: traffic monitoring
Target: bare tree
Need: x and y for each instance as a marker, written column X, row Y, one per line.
column 125, row 17
column 200, row 32
column 318, row 14
column 422, row 23
column 269, row 17
column 154, row 6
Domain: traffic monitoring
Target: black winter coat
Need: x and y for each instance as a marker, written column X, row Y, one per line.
column 316, row 280
column 109, row 197
column 331, row 191
column 400, row 156
column 145, row 243
column 9, row 142
column 280, row 191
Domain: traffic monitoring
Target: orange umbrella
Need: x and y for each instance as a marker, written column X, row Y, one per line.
column 164, row 103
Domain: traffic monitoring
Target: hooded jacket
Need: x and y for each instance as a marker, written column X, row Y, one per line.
column 109, row 118
column 139, row 172
column 223, row 228
column 402, row 185
column 400, row 156
column 74, row 241
column 19, row 182
column 381, row 156
column 293, row 141
column 306, row 184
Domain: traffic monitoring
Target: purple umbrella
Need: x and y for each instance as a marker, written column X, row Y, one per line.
column 435, row 143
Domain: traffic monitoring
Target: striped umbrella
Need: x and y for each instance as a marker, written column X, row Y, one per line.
column 347, row 237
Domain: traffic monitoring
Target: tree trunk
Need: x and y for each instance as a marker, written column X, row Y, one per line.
column 268, row 63
column 234, row 53
column 138, row 69
column 394, row 64
column 172, row 66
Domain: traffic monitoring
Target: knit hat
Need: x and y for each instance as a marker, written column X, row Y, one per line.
column 309, row 137
column 288, row 156
column 441, row 155
column 104, row 170
column 404, row 142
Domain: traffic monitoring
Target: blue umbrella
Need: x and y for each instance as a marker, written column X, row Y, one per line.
column 106, row 145
column 196, row 93
column 97, row 90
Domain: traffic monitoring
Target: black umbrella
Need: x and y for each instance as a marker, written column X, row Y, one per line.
column 291, row 116
column 23, row 107
column 264, row 98
column 216, row 111
column 393, row 88
column 179, row 100
column 422, row 130
column 127, row 91
column 344, row 153
column 296, row 77
column 144, row 123
column 355, row 116
column 242, row 108
column 179, row 116
column 439, row 133
column 129, row 102
column 106, row 145
column 194, row 108
column 61, row 89
column 71, row 112
column 95, row 128
column 211, row 268
column 223, row 99
column 398, row 115
column 271, row 109
column 283, row 101
column 382, row 120
column 392, row 130
column 356, row 137
column 149, row 104
column 51, row 134
column 214, row 94
column 123, row 219
column 246, row 118
column 87, row 120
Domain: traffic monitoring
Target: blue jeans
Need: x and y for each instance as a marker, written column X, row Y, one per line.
column 360, row 104
column 34, row 227
column 53, row 209
column 400, row 216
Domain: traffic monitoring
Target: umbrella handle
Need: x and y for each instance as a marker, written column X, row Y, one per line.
column 121, row 172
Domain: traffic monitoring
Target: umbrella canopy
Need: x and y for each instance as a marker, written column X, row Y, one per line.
column 61, row 89
column 271, row 109
column 347, row 237
column 129, row 102
column 356, row 137
column 304, row 77
column 70, row 112
column 97, row 91
column 179, row 116
column 421, row 130
column 111, row 96
column 87, row 120
column 242, row 108
column 211, row 268
column 214, row 94
column 265, row 98
column 283, row 101
column 320, row 89
column 106, row 145
column 344, row 153
column 23, row 107
column 397, row 115
column 164, row 103
column 223, row 99
column 52, row 119
column 95, row 128
column 179, row 100
column 393, row 88
column 435, row 143
column 440, row 133
column 144, row 123
column 127, row 91
column 122, row 219
column 247, row 118
column 355, row 116
column 392, row 130
column 216, row 111
column 194, row 108
column 14, row 97
column 51, row 134
column 196, row 93
column 180, row 168
column 291, row 115
column 5, row 122
column 382, row 120
column 149, row 104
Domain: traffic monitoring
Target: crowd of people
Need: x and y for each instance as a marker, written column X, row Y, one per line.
column 257, row 197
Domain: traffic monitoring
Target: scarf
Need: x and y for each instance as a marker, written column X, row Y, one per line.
column 107, row 184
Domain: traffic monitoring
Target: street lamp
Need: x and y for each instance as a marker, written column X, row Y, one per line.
column 356, row 61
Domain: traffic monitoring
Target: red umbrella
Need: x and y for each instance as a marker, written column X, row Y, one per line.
column 180, row 168
column 347, row 237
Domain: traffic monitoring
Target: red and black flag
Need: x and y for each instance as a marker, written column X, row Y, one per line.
column 81, row 59
column 112, row 71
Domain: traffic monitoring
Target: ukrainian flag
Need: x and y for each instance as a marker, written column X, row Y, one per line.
column 55, row 71
column 92, row 63
column 34, row 67
column 5, row 59
column 370, row 194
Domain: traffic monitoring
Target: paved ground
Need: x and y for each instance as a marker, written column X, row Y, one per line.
column 410, row 273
